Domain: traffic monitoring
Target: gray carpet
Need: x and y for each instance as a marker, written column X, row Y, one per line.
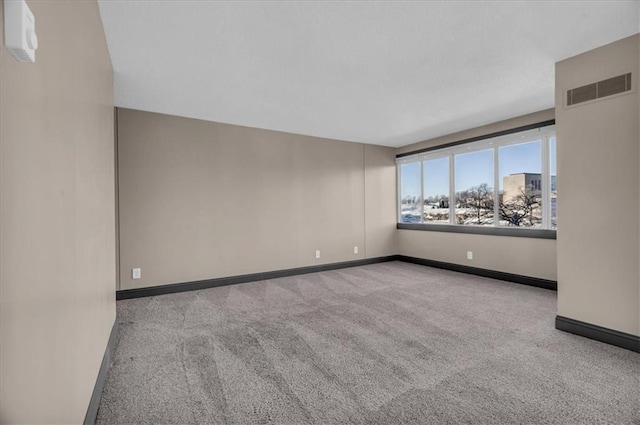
column 380, row 344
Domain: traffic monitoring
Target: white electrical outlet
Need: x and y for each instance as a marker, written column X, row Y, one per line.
column 469, row 255
column 355, row 249
column 136, row 273
column 317, row 254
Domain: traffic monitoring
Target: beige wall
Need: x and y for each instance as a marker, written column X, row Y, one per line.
column 524, row 256
column 598, row 167
column 380, row 201
column 202, row 200
column 57, row 265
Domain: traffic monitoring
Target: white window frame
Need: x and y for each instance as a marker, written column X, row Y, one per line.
column 542, row 134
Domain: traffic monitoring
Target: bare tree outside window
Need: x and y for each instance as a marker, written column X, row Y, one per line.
column 523, row 209
column 475, row 205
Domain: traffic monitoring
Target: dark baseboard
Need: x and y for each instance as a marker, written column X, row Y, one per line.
column 606, row 335
column 96, row 396
column 509, row 277
column 232, row 280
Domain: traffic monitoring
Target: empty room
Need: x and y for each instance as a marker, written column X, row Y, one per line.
column 319, row 212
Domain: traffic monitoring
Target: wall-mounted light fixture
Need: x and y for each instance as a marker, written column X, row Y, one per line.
column 20, row 30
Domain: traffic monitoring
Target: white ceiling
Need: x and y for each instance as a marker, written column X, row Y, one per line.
column 388, row 73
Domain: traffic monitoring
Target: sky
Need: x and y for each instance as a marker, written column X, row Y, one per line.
column 474, row 168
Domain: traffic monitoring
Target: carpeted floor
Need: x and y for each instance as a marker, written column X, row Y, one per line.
column 387, row 343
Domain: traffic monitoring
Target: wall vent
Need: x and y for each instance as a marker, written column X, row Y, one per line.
column 604, row 88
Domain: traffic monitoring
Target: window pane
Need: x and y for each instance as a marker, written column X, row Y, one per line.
column 436, row 190
column 520, row 195
column 552, row 158
column 410, row 193
column 474, row 191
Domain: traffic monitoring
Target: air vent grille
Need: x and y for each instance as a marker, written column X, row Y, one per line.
column 598, row 90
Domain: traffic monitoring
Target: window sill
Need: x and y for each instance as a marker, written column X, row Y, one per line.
column 481, row 230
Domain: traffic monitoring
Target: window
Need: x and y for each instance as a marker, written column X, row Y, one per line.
column 435, row 186
column 520, row 197
column 410, row 198
column 474, row 188
column 505, row 182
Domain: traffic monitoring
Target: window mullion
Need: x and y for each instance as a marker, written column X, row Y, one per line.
column 399, row 192
column 452, row 190
column 546, row 184
column 421, row 191
column 496, row 186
